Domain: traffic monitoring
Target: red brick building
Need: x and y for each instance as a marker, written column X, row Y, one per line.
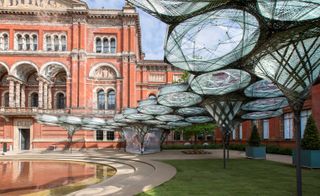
column 60, row 57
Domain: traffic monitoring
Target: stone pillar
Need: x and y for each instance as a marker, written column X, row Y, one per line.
column 23, row 96
column 50, row 97
column 18, row 85
column 40, row 94
column 45, row 96
column 11, row 94
column 118, row 96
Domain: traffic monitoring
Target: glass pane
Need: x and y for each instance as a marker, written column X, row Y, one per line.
column 111, row 100
column 105, row 45
column 98, row 45
column 99, row 135
column 113, row 45
column 110, row 135
column 101, row 100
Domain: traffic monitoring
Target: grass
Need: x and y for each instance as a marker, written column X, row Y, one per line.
column 241, row 178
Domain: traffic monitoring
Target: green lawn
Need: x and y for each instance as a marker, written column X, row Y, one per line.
column 242, row 177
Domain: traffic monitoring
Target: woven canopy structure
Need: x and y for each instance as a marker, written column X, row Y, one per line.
column 275, row 40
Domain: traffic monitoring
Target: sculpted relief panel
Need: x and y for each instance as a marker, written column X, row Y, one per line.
column 31, row 4
column 105, row 73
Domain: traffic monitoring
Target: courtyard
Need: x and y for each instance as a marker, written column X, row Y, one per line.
column 173, row 173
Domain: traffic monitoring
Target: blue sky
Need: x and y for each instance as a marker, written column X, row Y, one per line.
column 153, row 30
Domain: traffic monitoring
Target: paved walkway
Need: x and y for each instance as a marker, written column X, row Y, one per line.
column 135, row 173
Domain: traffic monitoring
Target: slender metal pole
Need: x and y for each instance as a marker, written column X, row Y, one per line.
column 224, row 148
column 297, row 129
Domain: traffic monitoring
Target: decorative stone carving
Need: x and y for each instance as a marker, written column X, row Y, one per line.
column 105, row 73
column 157, row 78
column 27, row 4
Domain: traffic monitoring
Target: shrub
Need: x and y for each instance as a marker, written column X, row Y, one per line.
column 311, row 140
column 254, row 138
column 272, row 149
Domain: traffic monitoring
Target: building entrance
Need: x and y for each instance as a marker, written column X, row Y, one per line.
column 24, row 139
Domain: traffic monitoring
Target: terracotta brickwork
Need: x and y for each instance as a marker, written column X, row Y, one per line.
column 64, row 58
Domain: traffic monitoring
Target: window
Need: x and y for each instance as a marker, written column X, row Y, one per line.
column 34, row 42
column 20, row 42
column 265, row 129
column 110, row 135
column 240, row 132
column 304, row 118
column 4, row 41
column 177, row 135
column 99, row 135
column 48, row 43
column 101, row 100
column 113, row 45
column 28, row 42
column 61, row 101
column 233, row 134
column 98, row 45
column 34, row 100
column 56, row 43
column 288, row 126
column 63, row 43
column 105, row 45
column 6, row 99
column 111, row 100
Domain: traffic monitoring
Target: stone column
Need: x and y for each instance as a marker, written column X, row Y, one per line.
column 18, row 85
column 40, row 94
column 50, row 97
column 118, row 96
column 45, row 96
column 23, row 96
column 11, row 94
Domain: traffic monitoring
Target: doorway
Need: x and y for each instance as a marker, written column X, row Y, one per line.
column 24, row 139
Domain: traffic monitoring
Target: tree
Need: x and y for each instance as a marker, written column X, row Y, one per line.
column 311, row 139
column 184, row 77
column 195, row 129
column 255, row 137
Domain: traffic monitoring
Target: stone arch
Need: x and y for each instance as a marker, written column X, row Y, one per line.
column 4, row 66
column 22, row 72
column 100, row 65
column 51, row 69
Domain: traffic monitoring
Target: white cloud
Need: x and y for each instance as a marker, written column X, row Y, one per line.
column 153, row 30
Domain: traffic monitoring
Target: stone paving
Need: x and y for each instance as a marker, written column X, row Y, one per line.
column 135, row 173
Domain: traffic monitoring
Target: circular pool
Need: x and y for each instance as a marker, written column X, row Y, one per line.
column 19, row 177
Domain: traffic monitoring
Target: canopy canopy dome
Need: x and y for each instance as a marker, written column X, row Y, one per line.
column 173, row 88
column 155, row 109
column 292, row 10
column 139, row 116
column 180, row 99
column 266, row 104
column 263, row 89
column 220, row 82
column 179, row 124
column 199, row 119
column 191, row 111
column 150, row 101
column 212, row 40
column 262, row 115
column 72, row 120
column 169, row 118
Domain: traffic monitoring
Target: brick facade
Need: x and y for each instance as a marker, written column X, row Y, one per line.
column 64, row 58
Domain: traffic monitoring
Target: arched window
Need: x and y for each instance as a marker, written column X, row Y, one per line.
column 34, row 100
column 20, row 42
column 63, row 43
column 113, row 45
column 4, row 42
column 34, row 42
column 101, row 100
column 6, row 99
column 61, row 101
column 48, row 43
column 28, row 43
column 111, row 100
column 56, row 43
column 105, row 45
column 98, row 45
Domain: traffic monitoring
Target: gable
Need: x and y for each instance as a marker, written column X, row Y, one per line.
column 43, row 4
